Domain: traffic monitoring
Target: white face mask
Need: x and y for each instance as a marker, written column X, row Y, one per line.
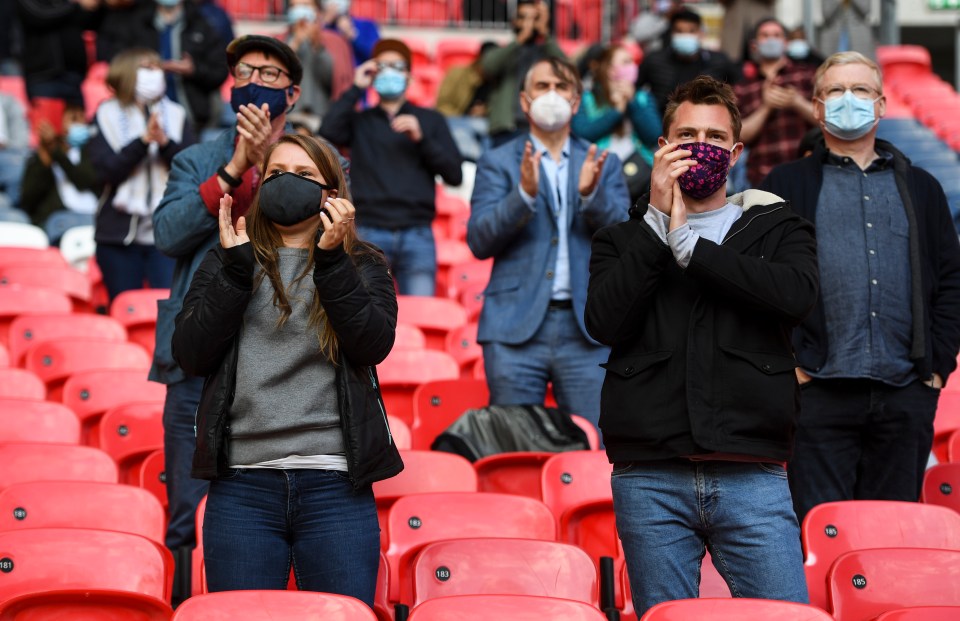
column 550, row 111
column 151, row 85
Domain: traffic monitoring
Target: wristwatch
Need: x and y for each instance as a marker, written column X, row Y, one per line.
column 229, row 179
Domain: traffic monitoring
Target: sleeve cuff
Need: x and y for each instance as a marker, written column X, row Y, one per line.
column 210, row 194
column 682, row 241
column 658, row 221
column 528, row 200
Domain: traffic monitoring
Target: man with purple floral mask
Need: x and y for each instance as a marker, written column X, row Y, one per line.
column 697, row 294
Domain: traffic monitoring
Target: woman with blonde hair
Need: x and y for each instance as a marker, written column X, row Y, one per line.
column 138, row 132
column 286, row 320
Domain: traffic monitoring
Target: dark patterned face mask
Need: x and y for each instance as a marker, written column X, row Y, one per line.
column 710, row 173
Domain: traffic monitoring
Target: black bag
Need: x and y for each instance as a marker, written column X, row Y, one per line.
column 636, row 172
column 506, row 428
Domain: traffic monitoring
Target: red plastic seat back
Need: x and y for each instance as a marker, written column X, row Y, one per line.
column 137, row 310
column 55, row 361
column 129, row 433
column 866, row 583
column 400, row 432
column 54, row 462
column 503, row 567
column 734, row 610
column 953, row 447
column 435, row 316
column 436, row 404
column 462, row 345
column 945, row 423
column 74, row 558
column 25, row 420
column 922, row 613
column 273, row 605
column 404, row 370
column 66, row 279
column 453, row 52
column 82, row 504
column 85, row 605
column 941, row 486
column 153, row 476
column 831, row 529
column 91, row 393
column 512, row 607
column 21, row 384
column 574, row 477
column 17, row 299
column 512, row 473
column 29, row 329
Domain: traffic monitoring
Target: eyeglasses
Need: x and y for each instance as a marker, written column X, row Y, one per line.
column 268, row 73
column 397, row 65
column 860, row 91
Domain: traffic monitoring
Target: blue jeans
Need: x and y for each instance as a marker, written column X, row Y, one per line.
column 557, row 352
column 412, row 255
column 179, row 442
column 260, row 522
column 668, row 511
column 861, row 440
column 127, row 267
column 12, row 163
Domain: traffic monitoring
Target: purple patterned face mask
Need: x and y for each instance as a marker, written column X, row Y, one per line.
column 710, row 173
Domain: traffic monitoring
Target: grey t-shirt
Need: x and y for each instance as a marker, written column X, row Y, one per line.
column 712, row 225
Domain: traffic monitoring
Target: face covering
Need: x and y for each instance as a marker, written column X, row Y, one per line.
column 710, row 173
column 390, row 83
column 78, row 134
column 288, row 198
column 342, row 6
column 798, row 48
column 770, row 49
column 301, row 13
column 849, row 117
column 168, row 2
column 685, row 44
column 256, row 95
column 151, row 85
column 626, row 73
column 550, row 111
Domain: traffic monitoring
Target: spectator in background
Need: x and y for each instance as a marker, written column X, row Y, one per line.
column 14, row 146
column 799, row 49
column 286, row 320
column 504, row 67
column 396, row 149
column 188, row 46
column 587, row 64
column 304, row 37
column 536, row 203
column 361, row 34
column 10, row 39
column 615, row 116
column 883, row 340
column 774, row 99
column 139, row 131
column 60, row 175
column 54, row 56
column 665, row 69
column 739, row 18
column 462, row 98
column 217, row 17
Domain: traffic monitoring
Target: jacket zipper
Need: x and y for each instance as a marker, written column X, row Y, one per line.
column 383, row 413
column 750, row 221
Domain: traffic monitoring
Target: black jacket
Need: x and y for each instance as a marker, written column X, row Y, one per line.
column 126, row 28
column 53, row 38
column 39, row 195
column 701, row 359
column 662, row 71
column 359, row 299
column 934, row 261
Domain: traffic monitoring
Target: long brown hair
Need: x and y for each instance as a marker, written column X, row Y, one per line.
column 601, row 76
column 266, row 239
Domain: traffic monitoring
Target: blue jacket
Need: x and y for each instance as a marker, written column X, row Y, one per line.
column 523, row 242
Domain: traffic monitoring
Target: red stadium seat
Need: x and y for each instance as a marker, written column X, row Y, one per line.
column 734, row 610
column 941, row 486
column 922, row 613
column 21, row 384
column 437, row 403
column 409, row 337
column 903, row 61
column 16, row 300
column 953, row 447
column 4, row 356
column 420, row 52
column 55, row 361
column 419, row 519
column 593, row 436
column 137, row 311
column 129, row 433
column 82, row 504
column 153, row 476
column 945, row 422
column 91, row 393
column 381, row 605
column 512, row 473
column 423, row 471
column 454, row 52
column 44, row 559
column 370, row 9
column 400, row 432
column 471, row 298
column 26, row 420
column 273, row 605
column 15, row 86
column 462, row 345
column 512, row 607
column 31, row 256
column 450, row 252
column 85, row 605
column 866, row 583
column 468, row 273
column 30, row 329
column 833, row 528
column 404, row 370
column 435, row 316
column 65, row 279
column 503, row 567
column 34, row 461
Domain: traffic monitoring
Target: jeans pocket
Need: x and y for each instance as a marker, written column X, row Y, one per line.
column 624, row 467
column 232, row 474
column 774, row 469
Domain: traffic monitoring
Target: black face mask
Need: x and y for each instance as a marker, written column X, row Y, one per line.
column 287, row 198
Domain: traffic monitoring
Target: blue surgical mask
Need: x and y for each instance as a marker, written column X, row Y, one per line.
column 168, row 2
column 798, row 48
column 390, row 83
column 770, row 49
column 78, row 134
column 256, row 95
column 848, row 117
column 685, row 44
column 301, row 13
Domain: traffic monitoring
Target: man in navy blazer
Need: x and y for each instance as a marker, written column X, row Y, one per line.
column 536, row 203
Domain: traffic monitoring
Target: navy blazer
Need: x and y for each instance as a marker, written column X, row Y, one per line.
column 523, row 242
